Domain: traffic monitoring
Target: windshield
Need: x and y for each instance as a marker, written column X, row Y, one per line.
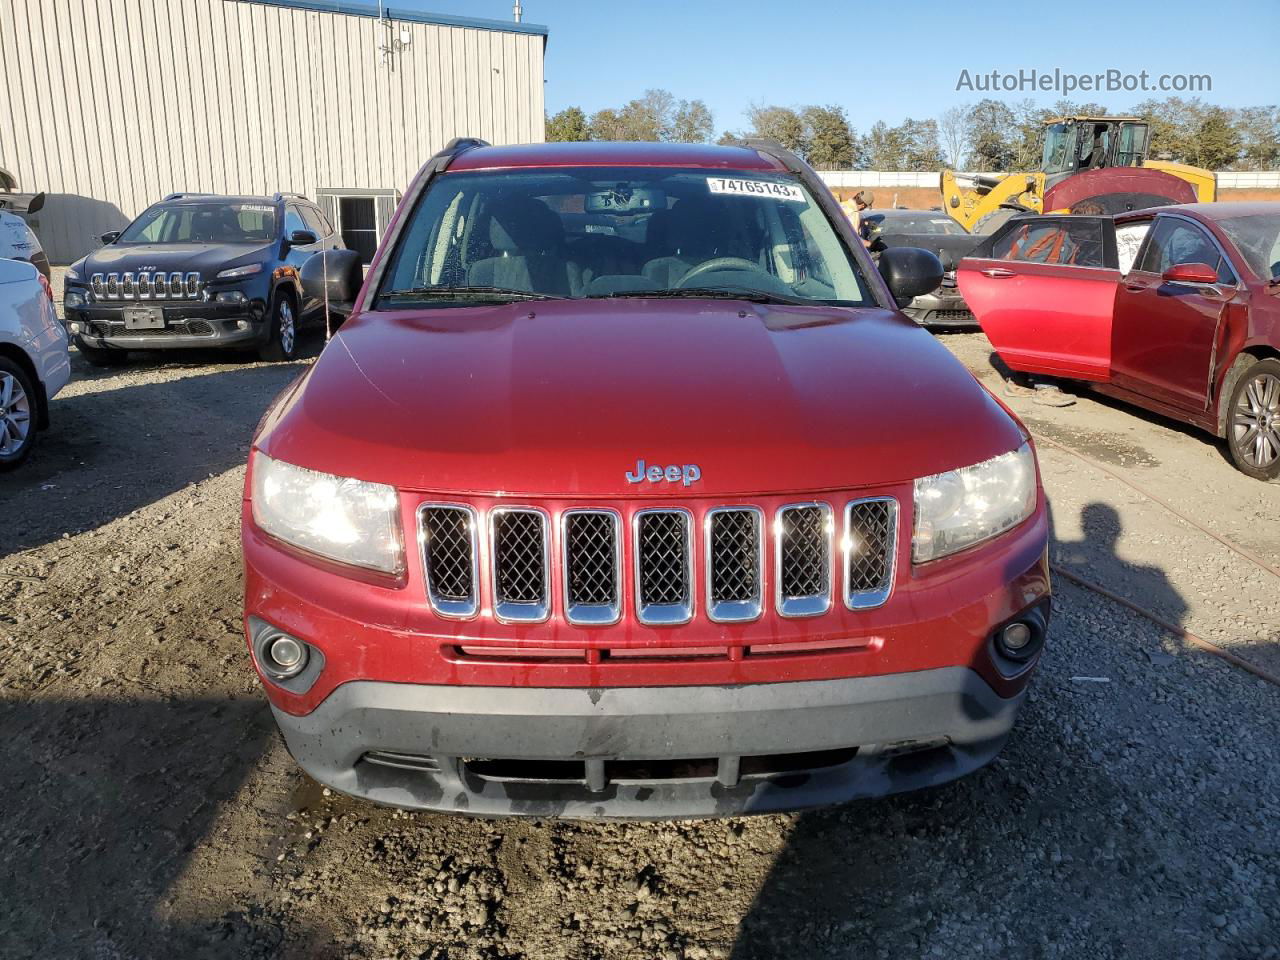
column 1059, row 148
column 937, row 224
column 218, row 222
column 1258, row 240
column 613, row 232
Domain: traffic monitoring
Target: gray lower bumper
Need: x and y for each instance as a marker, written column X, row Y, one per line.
column 911, row 730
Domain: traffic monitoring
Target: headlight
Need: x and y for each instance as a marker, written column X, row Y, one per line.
column 962, row 507
column 73, row 298
column 71, row 274
column 248, row 270
column 347, row 520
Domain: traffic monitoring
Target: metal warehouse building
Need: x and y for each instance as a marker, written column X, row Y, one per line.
column 112, row 104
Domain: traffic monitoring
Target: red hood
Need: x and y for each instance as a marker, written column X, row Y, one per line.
column 562, row 398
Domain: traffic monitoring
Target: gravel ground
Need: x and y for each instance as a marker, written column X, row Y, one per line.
column 150, row 810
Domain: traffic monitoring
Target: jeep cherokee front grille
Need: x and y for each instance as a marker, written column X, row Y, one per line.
column 146, row 285
column 870, row 529
column 592, row 545
column 450, row 558
column 803, row 543
column 664, row 566
column 521, row 578
column 599, row 569
column 735, row 563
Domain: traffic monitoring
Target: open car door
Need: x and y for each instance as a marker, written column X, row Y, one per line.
column 1043, row 288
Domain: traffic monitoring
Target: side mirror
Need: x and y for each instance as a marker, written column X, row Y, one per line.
column 111, row 236
column 910, row 272
column 302, row 238
column 333, row 274
column 1197, row 273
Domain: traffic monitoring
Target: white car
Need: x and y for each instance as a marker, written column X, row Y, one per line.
column 34, row 361
column 19, row 242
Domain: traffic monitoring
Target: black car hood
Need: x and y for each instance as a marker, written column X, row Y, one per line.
column 204, row 258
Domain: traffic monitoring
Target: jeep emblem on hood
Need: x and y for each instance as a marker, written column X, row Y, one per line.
column 687, row 473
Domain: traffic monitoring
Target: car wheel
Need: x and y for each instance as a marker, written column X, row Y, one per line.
column 1253, row 421
column 17, row 414
column 282, row 341
column 100, row 357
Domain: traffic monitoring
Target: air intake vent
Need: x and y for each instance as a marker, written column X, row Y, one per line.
column 870, row 545
column 592, row 545
column 664, row 566
column 804, row 535
column 521, row 590
column 734, row 564
column 449, row 557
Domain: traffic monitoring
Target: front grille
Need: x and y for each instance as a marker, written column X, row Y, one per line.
column 870, row 539
column 520, row 576
column 146, row 286
column 804, row 559
column 591, row 541
column 664, row 574
column 735, row 564
column 449, row 557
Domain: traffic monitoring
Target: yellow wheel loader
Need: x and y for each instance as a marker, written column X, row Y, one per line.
column 1088, row 165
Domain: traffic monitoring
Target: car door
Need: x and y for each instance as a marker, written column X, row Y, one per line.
column 1165, row 332
column 1043, row 289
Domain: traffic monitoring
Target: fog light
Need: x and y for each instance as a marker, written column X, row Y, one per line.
column 1016, row 636
column 285, row 656
column 75, row 326
column 230, row 296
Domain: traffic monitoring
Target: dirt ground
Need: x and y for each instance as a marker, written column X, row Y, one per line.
column 149, row 810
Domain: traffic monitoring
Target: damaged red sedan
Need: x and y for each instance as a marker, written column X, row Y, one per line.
column 627, row 491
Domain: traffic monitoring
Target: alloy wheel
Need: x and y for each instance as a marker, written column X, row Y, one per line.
column 287, row 331
column 1255, row 422
column 15, row 415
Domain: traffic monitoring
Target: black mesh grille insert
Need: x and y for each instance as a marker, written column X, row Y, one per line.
column 735, row 556
column 663, row 540
column 520, row 574
column 448, row 552
column 805, row 555
column 591, row 548
column 870, row 545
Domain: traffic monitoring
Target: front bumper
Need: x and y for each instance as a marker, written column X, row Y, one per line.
column 187, row 324
column 942, row 308
column 650, row 752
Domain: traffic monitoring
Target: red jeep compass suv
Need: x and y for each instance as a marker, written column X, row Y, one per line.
column 626, row 491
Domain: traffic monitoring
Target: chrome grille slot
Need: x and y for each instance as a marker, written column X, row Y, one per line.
column 175, row 284
column 735, row 563
column 144, row 285
column 592, row 545
column 113, row 286
column 520, row 572
column 192, row 285
column 98, row 285
column 161, row 285
column 803, row 540
column 664, row 566
column 127, row 289
column 870, row 547
column 450, row 558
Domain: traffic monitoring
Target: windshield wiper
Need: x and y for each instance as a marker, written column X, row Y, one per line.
column 705, row 293
column 464, row 293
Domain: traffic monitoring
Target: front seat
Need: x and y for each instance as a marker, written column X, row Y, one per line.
column 693, row 231
column 529, row 240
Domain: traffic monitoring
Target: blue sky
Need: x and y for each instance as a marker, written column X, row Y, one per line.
column 883, row 60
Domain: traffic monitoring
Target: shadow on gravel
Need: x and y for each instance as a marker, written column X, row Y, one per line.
column 102, row 804
column 113, row 451
column 1026, row 840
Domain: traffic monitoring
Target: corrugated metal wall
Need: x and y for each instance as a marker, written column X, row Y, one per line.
column 113, row 103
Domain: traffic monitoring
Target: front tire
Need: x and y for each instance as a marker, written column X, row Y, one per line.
column 282, row 338
column 1253, row 421
column 17, row 415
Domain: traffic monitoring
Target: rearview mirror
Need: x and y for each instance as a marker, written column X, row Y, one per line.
column 111, row 236
column 1200, row 273
column 335, row 275
column 910, row 272
column 302, row 238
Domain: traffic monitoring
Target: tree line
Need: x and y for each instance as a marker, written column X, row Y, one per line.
column 987, row 135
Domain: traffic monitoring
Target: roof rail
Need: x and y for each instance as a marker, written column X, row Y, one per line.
column 192, row 193
column 458, row 146
column 285, row 193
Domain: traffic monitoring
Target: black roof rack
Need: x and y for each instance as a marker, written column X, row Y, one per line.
column 191, row 193
column 285, row 193
column 458, row 146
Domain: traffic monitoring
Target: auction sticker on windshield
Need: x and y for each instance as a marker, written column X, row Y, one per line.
column 756, row 188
